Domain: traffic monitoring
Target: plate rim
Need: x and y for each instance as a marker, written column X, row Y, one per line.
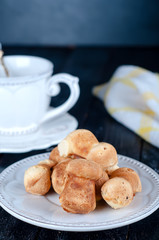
column 82, row 227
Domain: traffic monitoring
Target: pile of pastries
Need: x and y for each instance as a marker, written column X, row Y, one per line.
column 82, row 171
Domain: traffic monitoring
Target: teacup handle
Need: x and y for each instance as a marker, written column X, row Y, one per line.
column 53, row 89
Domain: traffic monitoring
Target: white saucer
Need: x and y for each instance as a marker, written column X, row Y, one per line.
column 49, row 133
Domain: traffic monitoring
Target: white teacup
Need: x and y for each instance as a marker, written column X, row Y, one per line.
column 26, row 94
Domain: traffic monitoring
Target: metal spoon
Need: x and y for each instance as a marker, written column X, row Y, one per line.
column 2, row 62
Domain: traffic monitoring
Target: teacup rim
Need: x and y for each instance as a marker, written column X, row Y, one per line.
column 28, row 78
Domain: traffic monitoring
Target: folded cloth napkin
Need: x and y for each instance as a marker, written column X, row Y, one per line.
column 132, row 98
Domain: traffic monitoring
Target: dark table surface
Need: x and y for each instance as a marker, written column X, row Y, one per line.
column 93, row 65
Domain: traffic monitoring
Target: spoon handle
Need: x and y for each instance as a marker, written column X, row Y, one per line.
column 2, row 63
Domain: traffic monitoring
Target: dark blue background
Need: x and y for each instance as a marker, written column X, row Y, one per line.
column 79, row 22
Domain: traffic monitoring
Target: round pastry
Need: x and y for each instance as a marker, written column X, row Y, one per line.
column 105, row 155
column 37, row 180
column 59, row 176
column 131, row 176
column 84, row 168
column 48, row 163
column 78, row 142
column 55, row 156
column 98, row 185
column 117, row 192
column 78, row 195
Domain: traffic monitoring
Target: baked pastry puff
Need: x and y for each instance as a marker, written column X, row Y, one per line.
column 105, row 155
column 37, row 178
column 59, row 176
column 131, row 176
column 98, row 185
column 84, row 168
column 55, row 156
column 78, row 142
column 117, row 192
column 78, row 195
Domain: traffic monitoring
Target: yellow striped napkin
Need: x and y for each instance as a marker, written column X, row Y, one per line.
column 132, row 98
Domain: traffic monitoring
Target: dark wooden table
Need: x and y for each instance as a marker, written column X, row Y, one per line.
column 93, row 65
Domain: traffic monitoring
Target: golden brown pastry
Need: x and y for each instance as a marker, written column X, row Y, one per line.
column 98, row 185
column 105, row 155
column 131, row 176
column 55, row 156
column 37, row 178
column 48, row 163
column 59, row 176
column 78, row 142
column 81, row 169
column 78, row 195
column 117, row 192
column 84, row 168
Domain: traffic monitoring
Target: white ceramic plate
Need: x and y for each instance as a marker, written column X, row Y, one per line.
column 48, row 134
column 45, row 211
